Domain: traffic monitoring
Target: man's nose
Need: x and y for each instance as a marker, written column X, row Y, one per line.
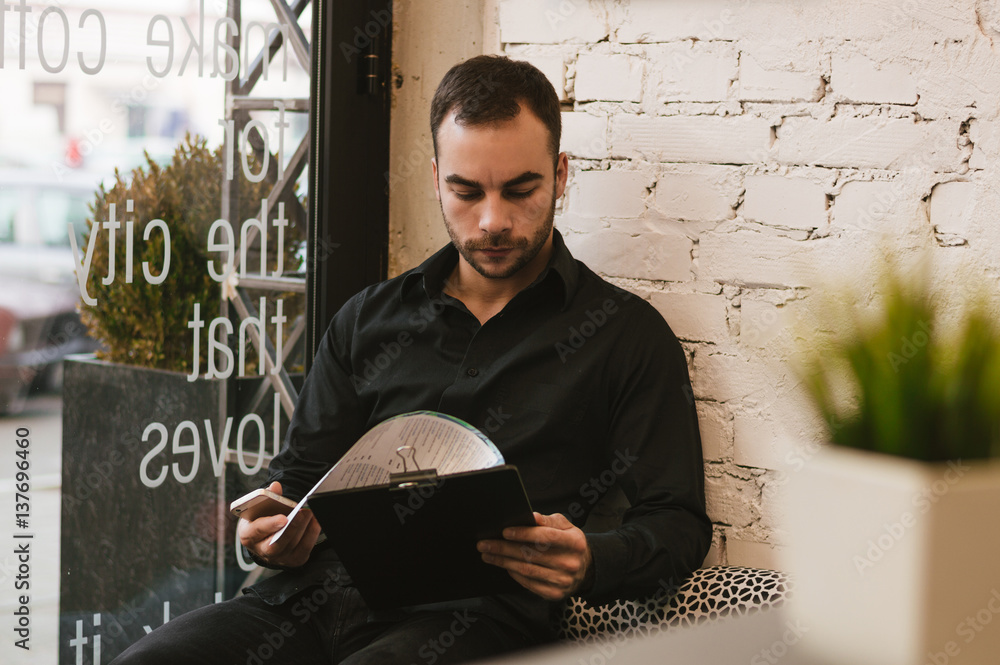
column 496, row 215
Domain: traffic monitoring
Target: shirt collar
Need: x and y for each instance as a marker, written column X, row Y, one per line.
column 433, row 272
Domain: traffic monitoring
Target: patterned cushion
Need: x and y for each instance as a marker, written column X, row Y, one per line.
column 709, row 593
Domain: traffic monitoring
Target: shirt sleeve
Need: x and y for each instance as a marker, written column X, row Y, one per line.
column 655, row 443
column 327, row 420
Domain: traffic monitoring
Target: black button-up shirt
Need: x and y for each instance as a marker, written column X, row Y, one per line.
column 579, row 383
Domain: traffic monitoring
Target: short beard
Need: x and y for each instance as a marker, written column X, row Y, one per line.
column 531, row 246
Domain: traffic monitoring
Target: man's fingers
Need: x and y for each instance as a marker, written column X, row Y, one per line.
column 261, row 528
column 555, row 521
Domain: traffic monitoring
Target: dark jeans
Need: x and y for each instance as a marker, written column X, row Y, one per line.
column 320, row 627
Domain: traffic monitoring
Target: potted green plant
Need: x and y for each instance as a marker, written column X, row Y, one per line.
column 893, row 530
column 142, row 444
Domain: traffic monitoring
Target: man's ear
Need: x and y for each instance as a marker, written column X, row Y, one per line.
column 562, row 173
column 434, row 170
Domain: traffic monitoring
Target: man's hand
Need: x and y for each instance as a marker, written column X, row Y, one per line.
column 296, row 543
column 551, row 559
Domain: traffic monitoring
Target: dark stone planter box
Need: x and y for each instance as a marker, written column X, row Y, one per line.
column 130, row 552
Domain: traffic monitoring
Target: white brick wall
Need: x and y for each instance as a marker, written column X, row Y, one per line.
column 659, row 256
column 698, row 192
column 778, row 200
column 755, row 259
column 551, row 21
column 730, row 157
column 584, row 136
column 858, row 79
column 692, row 71
column 951, row 207
column 874, row 142
column 608, row 193
column 762, row 81
column 694, row 316
column 701, row 138
column 609, row 77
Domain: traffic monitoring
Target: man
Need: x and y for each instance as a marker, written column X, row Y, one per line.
column 579, row 384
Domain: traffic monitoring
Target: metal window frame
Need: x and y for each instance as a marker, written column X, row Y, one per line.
column 347, row 150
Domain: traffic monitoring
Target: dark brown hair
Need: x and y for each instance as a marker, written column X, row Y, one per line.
column 489, row 89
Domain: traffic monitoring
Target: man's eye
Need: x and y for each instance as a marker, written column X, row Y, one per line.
column 467, row 196
column 520, row 193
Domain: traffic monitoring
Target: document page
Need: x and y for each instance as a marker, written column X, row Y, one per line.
column 417, row 441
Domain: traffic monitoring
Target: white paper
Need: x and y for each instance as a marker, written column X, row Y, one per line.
column 431, row 440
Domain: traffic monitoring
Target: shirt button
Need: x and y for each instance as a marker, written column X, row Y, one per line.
column 472, row 371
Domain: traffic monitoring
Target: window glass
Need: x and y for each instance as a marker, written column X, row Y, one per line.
column 153, row 183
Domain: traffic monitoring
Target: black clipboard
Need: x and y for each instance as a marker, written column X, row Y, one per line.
column 413, row 541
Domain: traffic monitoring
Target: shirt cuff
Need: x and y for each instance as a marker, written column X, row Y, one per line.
column 609, row 556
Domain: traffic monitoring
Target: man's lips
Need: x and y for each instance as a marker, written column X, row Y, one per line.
column 496, row 251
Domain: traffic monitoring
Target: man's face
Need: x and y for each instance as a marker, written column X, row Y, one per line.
column 497, row 185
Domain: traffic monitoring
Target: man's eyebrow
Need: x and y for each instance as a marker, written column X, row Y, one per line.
column 527, row 176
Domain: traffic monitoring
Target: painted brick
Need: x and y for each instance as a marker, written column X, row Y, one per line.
column 579, row 223
column 584, row 136
column 951, row 207
column 871, row 206
column 649, row 21
column 698, row 192
column 711, row 139
column 761, row 322
column 870, row 142
column 716, row 427
column 773, row 504
column 732, row 500
column 652, row 21
column 693, row 72
column 755, row 442
column 794, row 203
column 757, row 84
column 551, row 21
column 752, row 554
column 694, row 316
column 757, row 259
column 724, row 378
column 857, row 79
column 985, row 136
column 659, row 256
column 608, row 193
column 608, row 78
column 554, row 68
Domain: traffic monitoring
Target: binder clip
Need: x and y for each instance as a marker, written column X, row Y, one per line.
column 410, row 479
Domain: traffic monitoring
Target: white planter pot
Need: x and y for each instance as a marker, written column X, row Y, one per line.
column 896, row 562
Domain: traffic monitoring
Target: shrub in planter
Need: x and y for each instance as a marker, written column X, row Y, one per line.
column 145, row 324
column 142, row 510
column 892, row 531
